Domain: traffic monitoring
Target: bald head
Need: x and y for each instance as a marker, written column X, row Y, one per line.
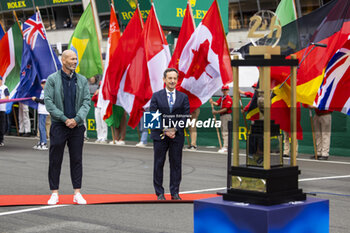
column 69, row 61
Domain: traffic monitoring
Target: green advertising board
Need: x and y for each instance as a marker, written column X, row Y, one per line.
column 10, row 5
column 171, row 13
column 54, row 2
column 126, row 9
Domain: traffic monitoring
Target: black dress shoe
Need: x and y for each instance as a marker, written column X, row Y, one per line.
column 161, row 197
column 285, row 156
column 26, row 135
column 175, row 197
column 322, row 157
column 313, row 157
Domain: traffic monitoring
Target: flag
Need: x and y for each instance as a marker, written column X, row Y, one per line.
column 334, row 92
column 286, row 12
column 297, row 34
column 144, row 76
column 84, row 43
column 2, row 31
column 113, row 39
column 280, row 113
column 11, row 46
column 38, row 60
column 117, row 72
column 205, row 60
column 186, row 31
column 332, row 32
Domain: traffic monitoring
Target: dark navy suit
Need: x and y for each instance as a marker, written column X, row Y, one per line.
column 174, row 146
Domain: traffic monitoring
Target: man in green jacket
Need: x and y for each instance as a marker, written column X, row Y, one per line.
column 67, row 99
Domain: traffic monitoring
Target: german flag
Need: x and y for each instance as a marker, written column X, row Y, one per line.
column 328, row 25
column 333, row 32
column 280, row 113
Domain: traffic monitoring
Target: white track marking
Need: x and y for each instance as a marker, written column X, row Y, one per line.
column 31, row 209
column 185, row 192
column 325, row 178
column 202, row 190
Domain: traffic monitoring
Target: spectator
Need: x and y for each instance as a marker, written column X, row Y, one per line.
column 43, row 113
column 4, row 94
column 225, row 102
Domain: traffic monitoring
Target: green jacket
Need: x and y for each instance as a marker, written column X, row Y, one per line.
column 54, row 98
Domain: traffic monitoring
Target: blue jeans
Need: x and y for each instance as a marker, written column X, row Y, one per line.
column 143, row 131
column 42, row 129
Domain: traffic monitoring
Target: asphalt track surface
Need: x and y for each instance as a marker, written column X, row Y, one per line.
column 110, row 169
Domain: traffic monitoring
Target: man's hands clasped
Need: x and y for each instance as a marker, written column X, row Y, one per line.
column 71, row 123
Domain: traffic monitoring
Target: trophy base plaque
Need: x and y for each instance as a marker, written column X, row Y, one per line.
column 264, row 187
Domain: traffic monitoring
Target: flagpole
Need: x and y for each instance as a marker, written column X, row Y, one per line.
column 245, row 120
column 222, row 24
column 138, row 11
column 99, row 44
column 2, row 27
column 19, row 25
column 217, row 129
column 194, row 24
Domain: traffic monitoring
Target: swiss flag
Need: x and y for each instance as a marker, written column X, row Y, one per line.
column 120, row 60
column 205, row 60
column 145, row 73
column 113, row 39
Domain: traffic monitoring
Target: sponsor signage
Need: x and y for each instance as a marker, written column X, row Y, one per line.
column 9, row 5
column 14, row 5
column 171, row 13
column 126, row 9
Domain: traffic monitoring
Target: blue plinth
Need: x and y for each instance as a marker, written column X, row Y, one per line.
column 216, row 215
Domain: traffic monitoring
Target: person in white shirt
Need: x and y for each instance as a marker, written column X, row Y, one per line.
column 4, row 94
column 43, row 113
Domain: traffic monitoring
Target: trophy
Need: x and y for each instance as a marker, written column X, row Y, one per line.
column 264, row 179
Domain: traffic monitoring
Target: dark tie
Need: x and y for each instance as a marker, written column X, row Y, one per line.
column 171, row 101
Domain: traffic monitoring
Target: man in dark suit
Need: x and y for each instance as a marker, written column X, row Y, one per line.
column 175, row 109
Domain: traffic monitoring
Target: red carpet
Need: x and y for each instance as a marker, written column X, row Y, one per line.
column 21, row 200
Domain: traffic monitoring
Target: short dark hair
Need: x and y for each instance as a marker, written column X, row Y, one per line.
column 170, row 70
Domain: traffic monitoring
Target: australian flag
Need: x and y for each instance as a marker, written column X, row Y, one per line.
column 38, row 60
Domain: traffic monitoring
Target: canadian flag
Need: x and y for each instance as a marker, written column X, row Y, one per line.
column 187, row 29
column 113, row 39
column 205, row 60
column 120, row 59
column 144, row 77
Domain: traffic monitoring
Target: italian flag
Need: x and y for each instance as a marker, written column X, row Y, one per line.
column 11, row 45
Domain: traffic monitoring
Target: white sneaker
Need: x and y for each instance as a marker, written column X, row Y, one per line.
column 103, row 141
column 53, row 199
column 36, row 147
column 98, row 141
column 78, row 198
column 223, row 150
column 141, row 144
column 120, row 143
column 112, row 143
column 43, row 147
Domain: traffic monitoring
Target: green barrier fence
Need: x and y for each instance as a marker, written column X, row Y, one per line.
column 340, row 137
